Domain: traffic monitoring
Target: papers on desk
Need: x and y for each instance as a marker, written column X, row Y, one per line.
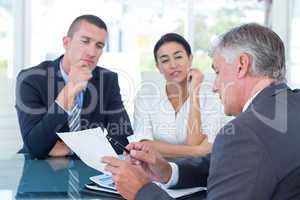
column 89, row 145
column 106, row 186
column 176, row 193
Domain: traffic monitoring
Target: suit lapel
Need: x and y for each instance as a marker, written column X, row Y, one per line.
column 56, row 78
column 59, row 82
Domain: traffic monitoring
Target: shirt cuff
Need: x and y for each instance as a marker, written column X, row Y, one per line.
column 174, row 176
column 138, row 137
column 68, row 112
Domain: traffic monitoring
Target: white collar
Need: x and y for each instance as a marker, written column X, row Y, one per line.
column 250, row 100
column 62, row 71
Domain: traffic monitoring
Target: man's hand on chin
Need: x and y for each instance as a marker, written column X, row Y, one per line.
column 60, row 149
column 128, row 178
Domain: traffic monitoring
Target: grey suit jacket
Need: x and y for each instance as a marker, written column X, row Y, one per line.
column 255, row 156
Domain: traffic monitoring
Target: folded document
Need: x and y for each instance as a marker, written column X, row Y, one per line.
column 89, row 145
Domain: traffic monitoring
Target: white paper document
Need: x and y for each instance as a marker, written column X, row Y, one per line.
column 176, row 193
column 89, row 145
column 106, row 186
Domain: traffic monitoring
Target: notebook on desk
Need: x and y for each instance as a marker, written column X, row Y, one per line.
column 105, row 183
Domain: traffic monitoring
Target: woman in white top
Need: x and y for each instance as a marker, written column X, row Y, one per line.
column 168, row 118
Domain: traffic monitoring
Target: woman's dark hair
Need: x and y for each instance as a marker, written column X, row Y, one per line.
column 171, row 37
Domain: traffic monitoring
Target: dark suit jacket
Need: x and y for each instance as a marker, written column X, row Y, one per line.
column 255, row 156
column 40, row 117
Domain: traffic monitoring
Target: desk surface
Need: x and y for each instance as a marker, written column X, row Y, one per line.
column 54, row 178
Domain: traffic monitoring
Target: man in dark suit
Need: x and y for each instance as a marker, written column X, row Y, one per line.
column 70, row 93
column 256, row 155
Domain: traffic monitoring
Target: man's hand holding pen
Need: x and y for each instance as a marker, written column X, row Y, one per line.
column 117, row 144
column 128, row 175
column 141, row 166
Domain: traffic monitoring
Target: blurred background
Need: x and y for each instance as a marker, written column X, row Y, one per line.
column 31, row 31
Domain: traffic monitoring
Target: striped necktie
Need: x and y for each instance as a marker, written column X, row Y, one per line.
column 74, row 119
column 73, row 182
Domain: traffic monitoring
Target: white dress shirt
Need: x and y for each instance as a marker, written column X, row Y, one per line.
column 155, row 117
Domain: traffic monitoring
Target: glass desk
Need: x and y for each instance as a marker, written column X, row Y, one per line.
column 55, row 178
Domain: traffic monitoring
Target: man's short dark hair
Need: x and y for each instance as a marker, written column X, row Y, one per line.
column 92, row 19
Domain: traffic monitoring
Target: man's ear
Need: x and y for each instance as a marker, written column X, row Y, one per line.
column 244, row 65
column 66, row 42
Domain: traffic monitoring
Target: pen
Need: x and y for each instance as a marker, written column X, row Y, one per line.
column 117, row 144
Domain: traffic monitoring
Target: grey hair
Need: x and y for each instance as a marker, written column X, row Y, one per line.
column 264, row 47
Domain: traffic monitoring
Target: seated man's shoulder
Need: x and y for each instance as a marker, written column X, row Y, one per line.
column 259, row 123
column 104, row 72
column 37, row 73
column 242, row 126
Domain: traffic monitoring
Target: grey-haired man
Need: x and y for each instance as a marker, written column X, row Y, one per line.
column 255, row 156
